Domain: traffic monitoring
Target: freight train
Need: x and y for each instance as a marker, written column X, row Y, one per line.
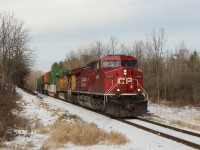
column 112, row 84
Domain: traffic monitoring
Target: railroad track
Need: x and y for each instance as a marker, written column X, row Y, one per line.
column 170, row 127
column 159, row 133
column 165, row 135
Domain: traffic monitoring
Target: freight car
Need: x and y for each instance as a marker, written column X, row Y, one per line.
column 113, row 84
column 46, row 84
column 40, row 84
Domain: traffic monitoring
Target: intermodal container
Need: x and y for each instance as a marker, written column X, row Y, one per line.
column 46, row 78
column 40, row 83
column 63, row 70
column 52, row 76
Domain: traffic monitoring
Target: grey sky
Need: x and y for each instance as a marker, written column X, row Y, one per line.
column 58, row 26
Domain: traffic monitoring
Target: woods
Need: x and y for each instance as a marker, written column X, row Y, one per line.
column 16, row 57
column 170, row 74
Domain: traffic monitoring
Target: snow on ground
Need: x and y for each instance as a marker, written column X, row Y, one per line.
column 37, row 111
column 165, row 114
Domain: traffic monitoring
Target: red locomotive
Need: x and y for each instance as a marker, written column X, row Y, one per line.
column 113, row 84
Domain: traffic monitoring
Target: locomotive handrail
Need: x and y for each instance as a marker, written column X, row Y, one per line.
column 142, row 89
column 106, row 94
column 112, row 87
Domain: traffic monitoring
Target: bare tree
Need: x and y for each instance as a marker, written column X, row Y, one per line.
column 99, row 48
column 123, row 49
column 113, row 44
column 16, row 56
column 181, row 54
column 138, row 51
column 154, row 46
column 72, row 60
column 32, row 78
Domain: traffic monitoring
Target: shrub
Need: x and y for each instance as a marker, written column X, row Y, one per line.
column 80, row 133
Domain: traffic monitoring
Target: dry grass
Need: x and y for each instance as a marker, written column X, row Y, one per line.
column 80, row 133
column 40, row 128
column 53, row 111
column 72, row 118
column 22, row 123
column 10, row 121
column 116, row 138
column 2, row 128
column 197, row 119
column 185, row 124
column 43, row 105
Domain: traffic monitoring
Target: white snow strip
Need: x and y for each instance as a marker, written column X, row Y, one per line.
column 165, row 114
column 138, row 139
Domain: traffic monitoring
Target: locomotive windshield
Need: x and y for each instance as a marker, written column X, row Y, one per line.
column 111, row 63
column 129, row 63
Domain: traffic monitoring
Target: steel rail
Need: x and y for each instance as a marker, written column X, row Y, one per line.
column 170, row 127
column 185, row 142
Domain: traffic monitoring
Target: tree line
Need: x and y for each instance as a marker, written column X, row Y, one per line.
column 16, row 57
column 169, row 74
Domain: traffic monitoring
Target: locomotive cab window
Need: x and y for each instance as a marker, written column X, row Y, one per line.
column 129, row 63
column 111, row 63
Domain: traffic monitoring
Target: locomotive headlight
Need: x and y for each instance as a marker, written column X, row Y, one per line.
column 139, row 90
column 117, row 93
column 125, row 72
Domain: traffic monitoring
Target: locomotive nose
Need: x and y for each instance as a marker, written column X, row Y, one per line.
column 128, row 80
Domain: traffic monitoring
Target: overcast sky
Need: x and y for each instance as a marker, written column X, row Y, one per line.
column 58, row 26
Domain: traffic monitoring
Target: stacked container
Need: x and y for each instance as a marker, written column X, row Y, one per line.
column 52, row 79
column 46, row 82
column 40, row 84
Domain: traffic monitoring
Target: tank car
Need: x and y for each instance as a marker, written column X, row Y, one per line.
column 113, row 84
